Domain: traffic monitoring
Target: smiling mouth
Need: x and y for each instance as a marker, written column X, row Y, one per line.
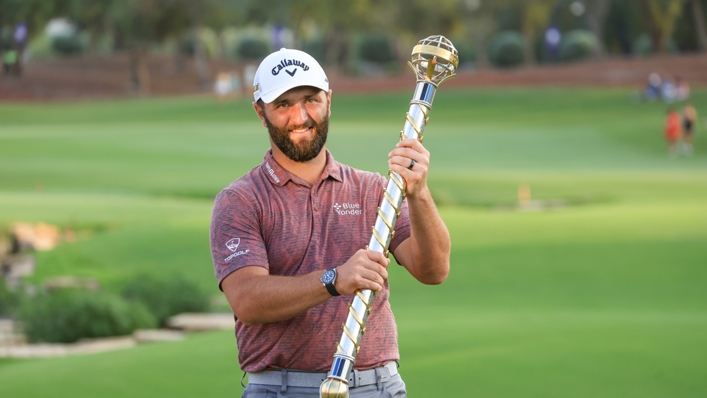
column 302, row 130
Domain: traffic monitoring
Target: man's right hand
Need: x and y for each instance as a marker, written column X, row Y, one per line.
column 258, row 297
column 366, row 269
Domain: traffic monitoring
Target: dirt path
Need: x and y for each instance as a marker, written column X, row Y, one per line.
column 92, row 77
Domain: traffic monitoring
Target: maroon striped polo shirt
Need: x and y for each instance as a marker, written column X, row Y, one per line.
column 273, row 219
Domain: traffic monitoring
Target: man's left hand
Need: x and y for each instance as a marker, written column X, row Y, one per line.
column 400, row 159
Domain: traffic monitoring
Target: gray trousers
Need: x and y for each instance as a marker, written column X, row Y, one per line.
column 393, row 388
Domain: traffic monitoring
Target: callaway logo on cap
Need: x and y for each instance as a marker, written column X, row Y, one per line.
column 286, row 69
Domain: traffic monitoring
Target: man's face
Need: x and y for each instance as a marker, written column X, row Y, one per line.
column 298, row 122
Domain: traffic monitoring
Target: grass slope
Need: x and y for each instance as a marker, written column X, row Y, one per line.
column 603, row 298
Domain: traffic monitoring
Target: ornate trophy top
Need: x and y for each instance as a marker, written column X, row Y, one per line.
column 434, row 59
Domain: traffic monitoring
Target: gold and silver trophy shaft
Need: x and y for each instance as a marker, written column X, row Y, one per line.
column 433, row 60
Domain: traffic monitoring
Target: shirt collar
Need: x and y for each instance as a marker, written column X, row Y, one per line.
column 332, row 169
column 279, row 176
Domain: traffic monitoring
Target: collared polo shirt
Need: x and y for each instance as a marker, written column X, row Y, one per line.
column 270, row 218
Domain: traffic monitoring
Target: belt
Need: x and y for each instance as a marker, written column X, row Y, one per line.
column 293, row 378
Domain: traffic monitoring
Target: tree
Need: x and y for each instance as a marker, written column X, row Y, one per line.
column 338, row 20
column 139, row 23
column 536, row 18
column 699, row 15
column 196, row 10
column 33, row 13
column 660, row 17
column 597, row 12
column 478, row 19
column 93, row 17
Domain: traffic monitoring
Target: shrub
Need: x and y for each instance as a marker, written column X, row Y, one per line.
column 316, row 48
column 65, row 316
column 643, row 45
column 186, row 44
column 376, row 47
column 506, row 49
column 467, row 52
column 5, row 38
column 252, row 49
column 9, row 300
column 68, row 45
column 207, row 37
column 578, row 44
column 166, row 297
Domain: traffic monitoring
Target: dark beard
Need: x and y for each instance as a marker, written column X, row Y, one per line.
column 304, row 151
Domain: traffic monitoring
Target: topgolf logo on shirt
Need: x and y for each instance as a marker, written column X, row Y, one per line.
column 348, row 209
column 232, row 245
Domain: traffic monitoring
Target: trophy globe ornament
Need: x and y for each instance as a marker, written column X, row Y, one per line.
column 434, row 60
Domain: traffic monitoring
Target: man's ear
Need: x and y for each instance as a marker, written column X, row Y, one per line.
column 328, row 96
column 259, row 111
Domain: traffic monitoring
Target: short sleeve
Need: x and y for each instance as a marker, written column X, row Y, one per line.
column 235, row 236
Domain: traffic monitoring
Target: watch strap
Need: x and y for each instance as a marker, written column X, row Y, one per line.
column 330, row 286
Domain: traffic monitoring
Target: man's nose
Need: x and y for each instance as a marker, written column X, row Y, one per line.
column 299, row 114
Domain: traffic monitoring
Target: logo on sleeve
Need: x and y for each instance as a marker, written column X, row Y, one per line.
column 232, row 245
column 272, row 172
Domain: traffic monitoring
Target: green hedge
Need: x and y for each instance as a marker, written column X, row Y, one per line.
column 506, row 49
column 68, row 45
column 9, row 300
column 166, row 297
column 466, row 51
column 578, row 44
column 252, row 49
column 643, row 45
column 68, row 315
column 316, row 48
column 376, row 47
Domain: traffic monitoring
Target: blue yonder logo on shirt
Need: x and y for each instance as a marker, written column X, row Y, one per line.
column 348, row 209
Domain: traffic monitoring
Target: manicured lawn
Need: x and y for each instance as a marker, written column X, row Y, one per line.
column 603, row 296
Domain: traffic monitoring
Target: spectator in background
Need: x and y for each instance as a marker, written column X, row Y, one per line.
column 248, row 77
column 668, row 90
column 652, row 90
column 689, row 125
column 682, row 89
column 673, row 132
column 8, row 61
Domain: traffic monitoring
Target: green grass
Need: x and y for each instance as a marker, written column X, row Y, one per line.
column 602, row 298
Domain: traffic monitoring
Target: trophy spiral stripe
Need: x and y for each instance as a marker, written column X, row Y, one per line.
column 415, row 127
column 433, row 60
column 383, row 217
column 391, row 201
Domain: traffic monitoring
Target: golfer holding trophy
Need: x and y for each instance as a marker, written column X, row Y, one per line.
column 301, row 243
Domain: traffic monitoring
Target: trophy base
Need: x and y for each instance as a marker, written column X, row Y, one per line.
column 334, row 388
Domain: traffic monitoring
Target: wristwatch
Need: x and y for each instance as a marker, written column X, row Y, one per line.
column 329, row 279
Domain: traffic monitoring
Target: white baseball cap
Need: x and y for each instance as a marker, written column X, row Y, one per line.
column 286, row 69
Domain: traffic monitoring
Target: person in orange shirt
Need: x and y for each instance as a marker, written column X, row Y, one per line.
column 673, row 131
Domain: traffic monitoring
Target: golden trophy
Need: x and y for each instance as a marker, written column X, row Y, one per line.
column 434, row 60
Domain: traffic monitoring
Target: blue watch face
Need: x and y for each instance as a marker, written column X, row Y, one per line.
column 328, row 276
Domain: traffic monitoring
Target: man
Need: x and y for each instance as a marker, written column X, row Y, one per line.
column 689, row 126
column 276, row 230
column 672, row 132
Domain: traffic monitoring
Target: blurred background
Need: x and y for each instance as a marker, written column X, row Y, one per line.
column 102, row 48
column 568, row 161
